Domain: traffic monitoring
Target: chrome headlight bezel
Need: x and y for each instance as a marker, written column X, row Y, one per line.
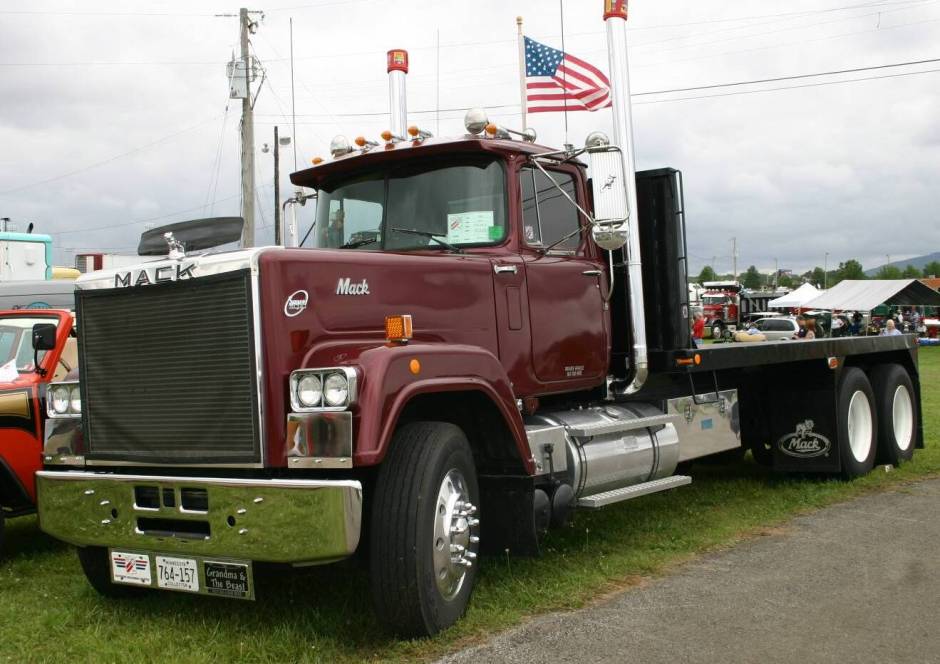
column 69, row 394
column 351, row 381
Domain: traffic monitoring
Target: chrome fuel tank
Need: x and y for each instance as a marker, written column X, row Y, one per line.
column 613, row 446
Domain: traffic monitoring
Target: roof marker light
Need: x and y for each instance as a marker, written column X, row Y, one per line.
column 418, row 134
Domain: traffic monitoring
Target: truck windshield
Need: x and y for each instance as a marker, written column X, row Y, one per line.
column 464, row 205
column 715, row 299
column 16, row 341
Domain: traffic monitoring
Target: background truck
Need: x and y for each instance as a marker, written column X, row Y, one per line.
column 25, row 256
column 483, row 340
column 23, row 391
column 727, row 306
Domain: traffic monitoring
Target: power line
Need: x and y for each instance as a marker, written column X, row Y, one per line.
column 791, row 87
column 96, row 164
column 854, row 70
column 149, row 219
column 689, row 89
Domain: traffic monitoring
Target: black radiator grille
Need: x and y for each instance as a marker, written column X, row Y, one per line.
column 168, row 372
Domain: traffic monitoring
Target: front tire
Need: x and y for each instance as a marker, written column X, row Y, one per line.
column 425, row 529
column 96, row 566
column 857, row 425
column 897, row 413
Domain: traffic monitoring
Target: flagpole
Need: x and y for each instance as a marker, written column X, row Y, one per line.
column 521, row 39
column 564, row 75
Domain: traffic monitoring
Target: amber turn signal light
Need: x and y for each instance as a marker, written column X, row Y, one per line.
column 398, row 329
column 360, row 141
column 317, row 160
column 387, row 136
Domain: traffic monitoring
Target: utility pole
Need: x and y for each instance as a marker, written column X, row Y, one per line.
column 776, row 272
column 734, row 258
column 247, row 135
column 826, row 272
column 277, row 191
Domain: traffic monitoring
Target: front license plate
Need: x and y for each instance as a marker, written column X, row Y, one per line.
column 228, row 579
column 177, row 574
column 130, row 568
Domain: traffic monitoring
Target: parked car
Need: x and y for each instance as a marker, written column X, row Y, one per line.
column 777, row 328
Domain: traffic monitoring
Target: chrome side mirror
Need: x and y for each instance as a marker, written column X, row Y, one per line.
column 611, row 209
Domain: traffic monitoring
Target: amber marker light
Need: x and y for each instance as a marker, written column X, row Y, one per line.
column 833, row 362
column 491, row 129
column 317, row 161
column 398, row 329
column 685, row 361
column 698, row 359
column 413, row 131
column 360, row 141
column 387, row 136
column 414, row 366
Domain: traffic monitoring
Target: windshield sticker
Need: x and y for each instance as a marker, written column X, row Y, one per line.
column 470, row 227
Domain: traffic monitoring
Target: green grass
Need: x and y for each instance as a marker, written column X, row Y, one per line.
column 49, row 613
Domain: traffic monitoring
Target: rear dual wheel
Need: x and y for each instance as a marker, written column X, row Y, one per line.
column 857, row 424
column 897, row 413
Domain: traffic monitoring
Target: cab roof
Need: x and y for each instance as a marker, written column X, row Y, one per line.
column 430, row 147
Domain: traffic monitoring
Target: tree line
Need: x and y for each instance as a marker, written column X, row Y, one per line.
column 850, row 269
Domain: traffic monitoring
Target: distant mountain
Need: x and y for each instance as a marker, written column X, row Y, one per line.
column 919, row 262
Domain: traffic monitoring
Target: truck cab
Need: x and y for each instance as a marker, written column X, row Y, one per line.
column 23, row 388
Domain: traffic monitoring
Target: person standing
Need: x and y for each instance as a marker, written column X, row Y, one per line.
column 837, row 326
column 891, row 330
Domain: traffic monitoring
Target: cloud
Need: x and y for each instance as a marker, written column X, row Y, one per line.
column 792, row 174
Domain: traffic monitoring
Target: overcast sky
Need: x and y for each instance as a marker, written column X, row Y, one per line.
column 113, row 114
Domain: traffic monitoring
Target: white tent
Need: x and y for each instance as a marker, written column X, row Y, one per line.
column 868, row 294
column 796, row 298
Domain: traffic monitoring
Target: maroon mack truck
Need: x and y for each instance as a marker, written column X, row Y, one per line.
column 483, row 340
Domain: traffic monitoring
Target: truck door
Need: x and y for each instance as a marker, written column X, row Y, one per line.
column 565, row 287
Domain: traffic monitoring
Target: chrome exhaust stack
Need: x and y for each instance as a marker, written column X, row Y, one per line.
column 615, row 18
column 397, row 97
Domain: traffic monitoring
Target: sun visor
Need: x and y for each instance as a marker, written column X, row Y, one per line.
column 195, row 235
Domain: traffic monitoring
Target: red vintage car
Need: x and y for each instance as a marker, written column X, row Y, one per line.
column 22, row 400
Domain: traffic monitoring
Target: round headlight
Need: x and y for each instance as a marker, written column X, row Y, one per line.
column 309, row 391
column 336, row 389
column 60, row 399
column 75, row 399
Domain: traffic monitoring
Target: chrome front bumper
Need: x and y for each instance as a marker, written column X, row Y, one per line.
column 284, row 521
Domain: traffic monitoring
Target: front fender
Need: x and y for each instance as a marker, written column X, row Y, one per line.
column 389, row 380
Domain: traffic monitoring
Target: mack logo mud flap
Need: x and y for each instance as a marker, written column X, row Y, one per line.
column 804, row 443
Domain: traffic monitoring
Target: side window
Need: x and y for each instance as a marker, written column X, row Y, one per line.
column 547, row 216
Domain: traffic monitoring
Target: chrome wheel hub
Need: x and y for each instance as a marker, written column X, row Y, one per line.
column 860, row 429
column 455, row 534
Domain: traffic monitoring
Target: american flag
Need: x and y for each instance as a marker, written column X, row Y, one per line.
column 558, row 81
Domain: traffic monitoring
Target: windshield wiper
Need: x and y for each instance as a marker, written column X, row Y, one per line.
column 435, row 237
column 355, row 244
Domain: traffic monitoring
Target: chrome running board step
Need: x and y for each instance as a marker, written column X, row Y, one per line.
column 605, row 427
column 619, row 495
